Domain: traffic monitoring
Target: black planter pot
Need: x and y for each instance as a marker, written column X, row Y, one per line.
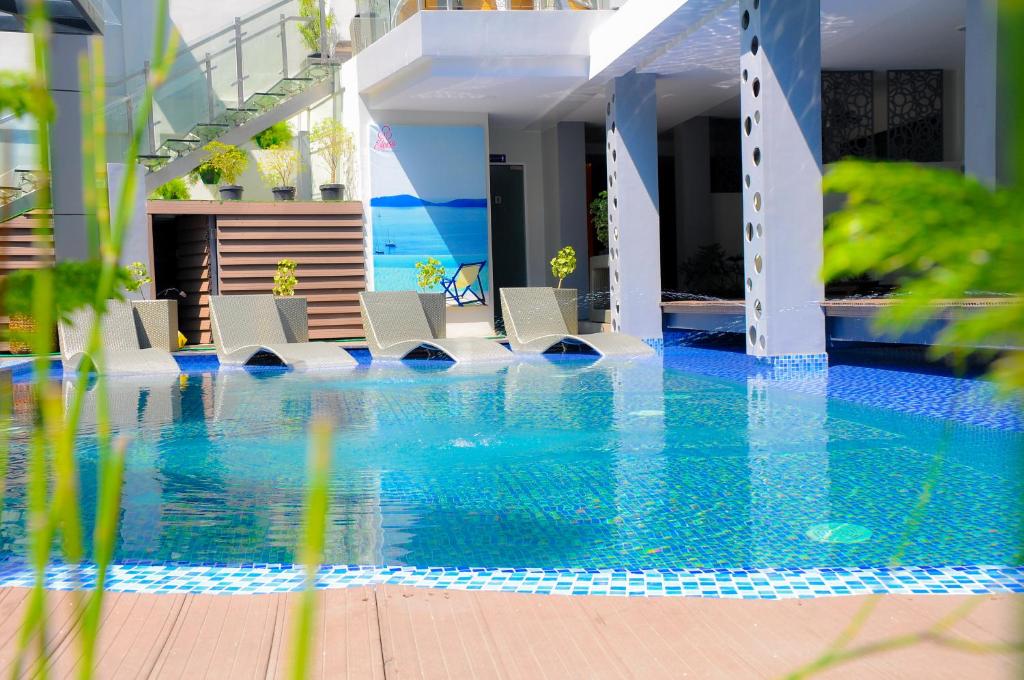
column 231, row 192
column 284, row 193
column 332, row 192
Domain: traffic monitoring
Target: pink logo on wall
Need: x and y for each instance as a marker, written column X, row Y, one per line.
column 385, row 139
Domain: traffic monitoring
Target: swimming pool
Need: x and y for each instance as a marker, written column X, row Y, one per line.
column 698, row 464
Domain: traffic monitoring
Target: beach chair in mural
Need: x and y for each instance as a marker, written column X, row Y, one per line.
column 466, row 286
column 120, row 349
column 536, row 323
column 248, row 328
column 397, row 324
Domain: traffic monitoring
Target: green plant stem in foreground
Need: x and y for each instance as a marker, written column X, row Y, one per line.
column 312, row 549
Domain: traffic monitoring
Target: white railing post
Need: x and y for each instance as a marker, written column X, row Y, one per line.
column 211, row 108
column 284, row 46
column 151, row 133
column 238, row 62
column 323, row 30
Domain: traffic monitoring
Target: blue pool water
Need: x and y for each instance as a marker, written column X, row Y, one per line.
column 699, row 459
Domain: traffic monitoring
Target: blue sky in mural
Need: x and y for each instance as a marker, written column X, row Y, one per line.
column 429, row 199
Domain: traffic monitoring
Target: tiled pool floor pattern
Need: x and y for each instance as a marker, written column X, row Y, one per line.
column 690, row 474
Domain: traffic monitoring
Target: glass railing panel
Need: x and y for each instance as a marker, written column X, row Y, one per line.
column 18, row 159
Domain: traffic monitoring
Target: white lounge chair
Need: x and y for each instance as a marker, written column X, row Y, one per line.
column 245, row 326
column 396, row 325
column 120, row 350
column 534, row 323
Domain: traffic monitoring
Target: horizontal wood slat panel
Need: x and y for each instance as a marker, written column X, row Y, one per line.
column 328, row 248
column 193, row 276
column 22, row 248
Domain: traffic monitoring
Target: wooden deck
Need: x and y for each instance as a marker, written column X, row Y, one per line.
column 395, row 632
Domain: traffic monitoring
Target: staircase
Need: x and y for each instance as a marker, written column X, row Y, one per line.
column 268, row 86
column 180, row 154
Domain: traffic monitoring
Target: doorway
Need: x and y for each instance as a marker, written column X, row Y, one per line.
column 508, row 232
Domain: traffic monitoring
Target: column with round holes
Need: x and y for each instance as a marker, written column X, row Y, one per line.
column 631, row 128
column 780, row 121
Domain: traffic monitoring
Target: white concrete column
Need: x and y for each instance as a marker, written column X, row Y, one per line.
column 981, row 91
column 780, row 104
column 71, row 241
column 634, row 247
column 138, row 238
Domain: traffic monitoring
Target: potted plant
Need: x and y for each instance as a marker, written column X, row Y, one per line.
column 277, row 170
column 428, row 276
column 310, row 29
column 291, row 309
column 277, row 136
column 155, row 320
column 175, row 190
column 334, row 145
column 228, row 162
column 563, row 264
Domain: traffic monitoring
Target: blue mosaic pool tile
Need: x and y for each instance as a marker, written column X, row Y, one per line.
column 770, row 584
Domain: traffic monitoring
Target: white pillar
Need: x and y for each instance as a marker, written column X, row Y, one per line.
column 981, row 91
column 71, row 239
column 782, row 203
column 631, row 126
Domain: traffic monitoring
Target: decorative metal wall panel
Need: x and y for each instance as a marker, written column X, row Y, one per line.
column 915, row 116
column 848, row 115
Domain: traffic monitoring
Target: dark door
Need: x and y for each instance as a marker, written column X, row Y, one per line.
column 508, row 231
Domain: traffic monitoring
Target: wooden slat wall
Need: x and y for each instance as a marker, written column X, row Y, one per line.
column 21, row 249
column 328, row 248
column 193, row 256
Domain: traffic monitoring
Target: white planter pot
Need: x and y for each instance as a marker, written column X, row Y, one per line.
column 156, row 322
column 294, row 317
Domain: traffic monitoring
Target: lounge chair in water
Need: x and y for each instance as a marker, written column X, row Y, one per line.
column 120, row 348
column 247, row 327
column 459, row 288
column 535, row 323
column 396, row 325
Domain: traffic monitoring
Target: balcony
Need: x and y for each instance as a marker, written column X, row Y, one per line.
column 376, row 18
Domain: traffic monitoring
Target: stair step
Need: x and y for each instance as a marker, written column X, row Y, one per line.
column 265, row 100
column 153, row 161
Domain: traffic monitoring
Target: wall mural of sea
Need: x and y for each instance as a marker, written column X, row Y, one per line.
column 409, row 230
column 428, row 199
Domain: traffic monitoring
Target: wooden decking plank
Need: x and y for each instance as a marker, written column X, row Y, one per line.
column 177, row 652
column 236, row 652
column 515, row 653
column 409, row 658
column 349, row 646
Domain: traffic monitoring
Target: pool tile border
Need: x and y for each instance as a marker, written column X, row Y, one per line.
column 750, row 584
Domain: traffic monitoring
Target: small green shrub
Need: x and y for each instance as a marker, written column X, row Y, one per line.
column 599, row 214
column 429, row 273
column 228, row 161
column 206, row 174
column 175, row 190
column 284, row 278
column 138, row 276
column 277, row 136
column 563, row 264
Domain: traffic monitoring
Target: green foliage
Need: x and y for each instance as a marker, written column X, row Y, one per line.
column 599, row 214
column 944, row 237
column 311, row 549
column 563, row 264
column 175, row 190
column 310, row 30
column 74, row 285
column 333, row 144
column 278, row 167
column 277, row 136
column 711, row 272
column 429, row 273
column 16, row 96
column 227, row 160
column 138, row 276
column 284, row 278
column 206, row 174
